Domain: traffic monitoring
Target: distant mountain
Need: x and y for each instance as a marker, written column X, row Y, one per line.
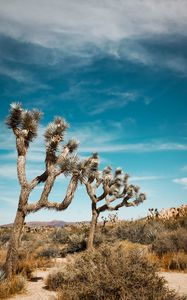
column 54, row 223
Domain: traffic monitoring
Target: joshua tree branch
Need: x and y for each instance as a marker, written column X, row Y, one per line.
column 63, row 155
column 21, row 161
column 91, row 192
column 98, row 183
column 44, row 203
column 106, row 191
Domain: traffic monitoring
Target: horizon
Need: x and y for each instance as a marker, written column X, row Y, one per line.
column 117, row 72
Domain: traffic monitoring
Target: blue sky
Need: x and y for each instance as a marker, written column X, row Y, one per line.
column 117, row 72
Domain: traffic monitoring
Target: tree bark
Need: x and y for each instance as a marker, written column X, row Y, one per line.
column 12, row 254
column 93, row 225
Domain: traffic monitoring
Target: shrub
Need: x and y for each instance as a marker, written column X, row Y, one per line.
column 76, row 243
column 173, row 224
column 170, row 241
column 11, row 287
column 4, row 238
column 48, row 252
column 60, row 236
column 140, row 231
column 99, row 238
column 118, row 272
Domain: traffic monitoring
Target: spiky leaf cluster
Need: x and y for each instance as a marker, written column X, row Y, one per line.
column 69, row 165
column 139, row 199
column 55, row 130
column 24, row 120
column 54, row 134
column 72, row 145
column 88, row 168
column 107, row 175
column 29, row 123
column 117, row 182
column 15, row 117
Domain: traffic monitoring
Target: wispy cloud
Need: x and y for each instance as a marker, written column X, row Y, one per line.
column 145, row 178
column 181, row 181
column 93, row 137
column 9, row 171
column 136, row 147
column 110, row 98
column 184, row 168
column 18, row 75
column 119, row 100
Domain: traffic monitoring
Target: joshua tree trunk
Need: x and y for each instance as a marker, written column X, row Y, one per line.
column 93, row 225
column 12, row 254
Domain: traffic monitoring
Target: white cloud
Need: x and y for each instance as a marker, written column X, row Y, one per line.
column 45, row 22
column 85, row 28
column 182, row 181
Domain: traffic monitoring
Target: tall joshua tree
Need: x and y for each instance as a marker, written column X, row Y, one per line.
column 24, row 125
column 115, row 190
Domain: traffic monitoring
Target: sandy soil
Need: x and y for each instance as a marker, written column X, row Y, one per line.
column 36, row 288
column 176, row 281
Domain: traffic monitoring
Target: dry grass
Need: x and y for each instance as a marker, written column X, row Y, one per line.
column 11, row 287
column 174, row 261
column 2, row 256
column 28, row 263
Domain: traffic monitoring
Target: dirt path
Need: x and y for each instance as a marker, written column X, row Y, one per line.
column 36, row 289
column 176, row 281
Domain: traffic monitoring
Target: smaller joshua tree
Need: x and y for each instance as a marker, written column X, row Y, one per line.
column 24, row 125
column 115, row 190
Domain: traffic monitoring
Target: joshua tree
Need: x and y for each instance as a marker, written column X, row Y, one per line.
column 115, row 190
column 24, row 125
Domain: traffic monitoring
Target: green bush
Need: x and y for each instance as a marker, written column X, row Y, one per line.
column 119, row 272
